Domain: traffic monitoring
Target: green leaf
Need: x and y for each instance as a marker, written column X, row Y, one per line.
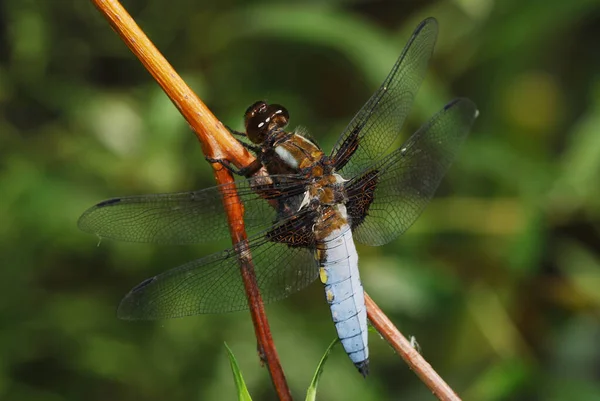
column 243, row 394
column 311, row 393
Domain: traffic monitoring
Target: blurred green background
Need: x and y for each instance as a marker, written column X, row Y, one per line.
column 499, row 280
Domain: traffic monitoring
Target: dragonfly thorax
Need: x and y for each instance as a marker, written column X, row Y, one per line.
column 325, row 195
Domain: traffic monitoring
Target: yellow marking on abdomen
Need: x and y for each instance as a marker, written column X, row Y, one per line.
column 330, row 296
column 323, row 275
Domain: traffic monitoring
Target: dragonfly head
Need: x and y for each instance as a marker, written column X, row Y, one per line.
column 262, row 118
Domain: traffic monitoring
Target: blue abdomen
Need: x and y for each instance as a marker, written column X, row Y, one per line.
column 344, row 293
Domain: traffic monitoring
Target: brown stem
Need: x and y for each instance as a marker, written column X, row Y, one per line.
column 410, row 355
column 217, row 143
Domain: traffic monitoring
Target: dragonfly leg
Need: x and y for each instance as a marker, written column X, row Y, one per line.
column 234, row 132
column 249, row 146
column 247, row 171
column 253, row 148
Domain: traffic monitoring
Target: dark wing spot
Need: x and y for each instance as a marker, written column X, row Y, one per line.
column 108, row 202
column 347, row 148
column 421, row 25
column 452, row 103
column 296, row 232
column 361, row 193
column 143, row 284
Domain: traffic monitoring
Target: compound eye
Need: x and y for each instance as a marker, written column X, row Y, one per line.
column 261, row 118
column 279, row 116
column 256, row 128
column 257, row 122
column 259, row 107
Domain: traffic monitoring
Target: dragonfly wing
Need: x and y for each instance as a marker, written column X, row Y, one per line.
column 283, row 263
column 189, row 217
column 377, row 125
column 386, row 200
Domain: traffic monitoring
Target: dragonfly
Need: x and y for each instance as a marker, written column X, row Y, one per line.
column 304, row 216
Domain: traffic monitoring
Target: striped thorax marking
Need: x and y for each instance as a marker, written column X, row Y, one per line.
column 286, row 156
column 298, row 152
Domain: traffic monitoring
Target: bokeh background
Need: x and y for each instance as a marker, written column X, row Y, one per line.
column 499, row 280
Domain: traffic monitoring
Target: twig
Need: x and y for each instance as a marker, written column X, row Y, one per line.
column 217, row 143
column 410, row 355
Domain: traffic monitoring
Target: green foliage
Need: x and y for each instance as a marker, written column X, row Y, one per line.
column 311, row 393
column 240, row 385
column 497, row 280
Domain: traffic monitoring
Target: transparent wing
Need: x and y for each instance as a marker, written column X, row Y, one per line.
column 190, row 217
column 214, row 284
column 386, row 200
column 377, row 125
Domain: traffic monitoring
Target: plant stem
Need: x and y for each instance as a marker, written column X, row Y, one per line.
column 216, row 143
column 407, row 352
